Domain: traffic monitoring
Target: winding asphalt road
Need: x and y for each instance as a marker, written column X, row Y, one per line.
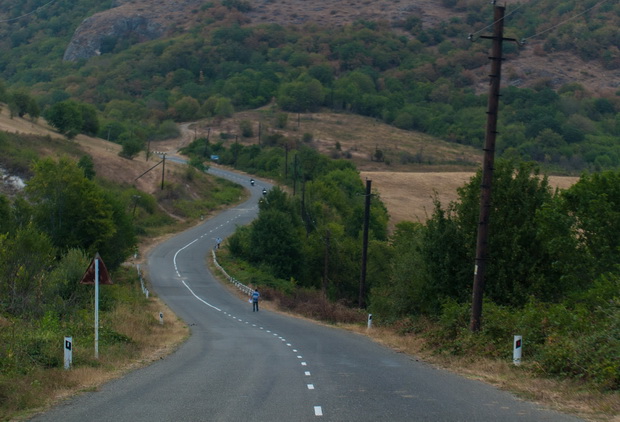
column 240, row 365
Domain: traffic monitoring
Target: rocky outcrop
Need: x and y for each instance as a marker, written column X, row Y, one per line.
column 138, row 21
column 94, row 31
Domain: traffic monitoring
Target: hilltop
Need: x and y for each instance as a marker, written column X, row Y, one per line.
column 530, row 65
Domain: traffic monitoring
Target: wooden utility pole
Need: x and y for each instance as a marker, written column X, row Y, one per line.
column 487, row 169
column 285, row 161
column 294, row 174
column 361, row 302
column 163, row 170
column 325, row 263
column 259, row 132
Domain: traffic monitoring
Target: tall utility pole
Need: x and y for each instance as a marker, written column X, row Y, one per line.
column 487, row 170
column 365, row 245
column 294, row 174
column 325, row 263
column 285, row 161
column 259, row 132
column 163, row 170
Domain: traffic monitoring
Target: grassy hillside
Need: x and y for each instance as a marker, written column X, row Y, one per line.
column 441, row 168
column 410, row 66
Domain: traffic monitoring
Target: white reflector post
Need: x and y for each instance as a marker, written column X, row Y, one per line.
column 516, row 351
column 369, row 321
column 68, row 352
column 161, row 318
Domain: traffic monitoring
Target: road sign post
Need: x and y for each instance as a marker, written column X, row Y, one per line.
column 96, row 274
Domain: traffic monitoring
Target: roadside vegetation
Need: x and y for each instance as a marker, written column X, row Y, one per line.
column 50, row 232
column 552, row 275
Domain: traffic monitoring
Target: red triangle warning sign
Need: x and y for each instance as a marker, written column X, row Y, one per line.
column 89, row 275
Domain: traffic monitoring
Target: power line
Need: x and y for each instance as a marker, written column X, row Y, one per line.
column 473, row 34
column 27, row 14
column 565, row 21
column 523, row 40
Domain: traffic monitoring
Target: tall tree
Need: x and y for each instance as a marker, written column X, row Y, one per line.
column 70, row 208
column 65, row 116
column 22, row 103
column 582, row 229
column 517, row 261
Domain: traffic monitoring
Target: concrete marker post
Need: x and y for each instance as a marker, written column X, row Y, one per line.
column 517, row 348
column 68, row 352
column 369, row 321
column 161, row 318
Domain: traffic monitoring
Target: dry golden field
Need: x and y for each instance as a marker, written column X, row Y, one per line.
column 406, row 188
column 409, row 196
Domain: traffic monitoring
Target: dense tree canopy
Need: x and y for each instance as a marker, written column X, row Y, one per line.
column 75, row 213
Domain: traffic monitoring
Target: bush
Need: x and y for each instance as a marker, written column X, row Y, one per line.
column 239, row 242
column 281, row 120
column 577, row 339
column 246, row 128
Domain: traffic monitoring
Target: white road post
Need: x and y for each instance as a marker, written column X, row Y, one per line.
column 68, row 352
column 369, row 321
column 516, row 352
column 161, row 318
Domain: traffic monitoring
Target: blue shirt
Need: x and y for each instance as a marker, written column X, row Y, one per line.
column 255, row 296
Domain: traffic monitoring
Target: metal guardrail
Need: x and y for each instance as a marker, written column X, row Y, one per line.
column 144, row 289
column 245, row 289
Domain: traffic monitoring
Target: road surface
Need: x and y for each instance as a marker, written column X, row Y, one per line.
column 240, row 365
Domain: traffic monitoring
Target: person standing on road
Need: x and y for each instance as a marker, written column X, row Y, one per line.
column 255, row 296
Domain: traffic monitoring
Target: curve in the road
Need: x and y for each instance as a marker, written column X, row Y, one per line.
column 264, row 366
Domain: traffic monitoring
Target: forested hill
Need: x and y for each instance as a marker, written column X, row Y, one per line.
column 419, row 66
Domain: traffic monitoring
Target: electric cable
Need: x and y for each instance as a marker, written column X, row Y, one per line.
column 473, row 34
column 27, row 14
column 563, row 22
column 524, row 40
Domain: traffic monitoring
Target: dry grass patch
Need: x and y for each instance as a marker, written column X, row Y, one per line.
column 352, row 137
